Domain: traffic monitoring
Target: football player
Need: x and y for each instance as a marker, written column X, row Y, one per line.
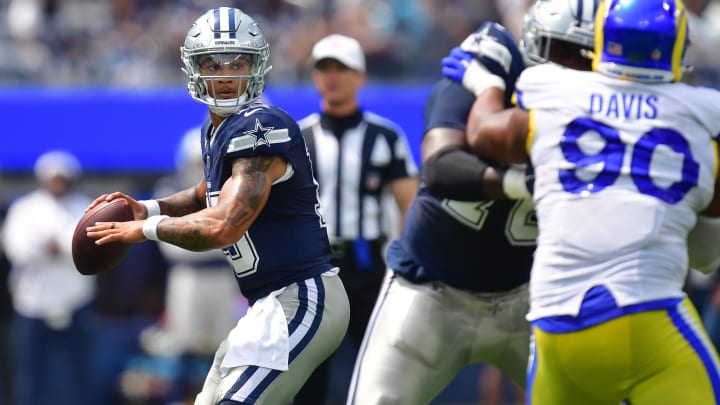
column 257, row 203
column 457, row 293
column 625, row 161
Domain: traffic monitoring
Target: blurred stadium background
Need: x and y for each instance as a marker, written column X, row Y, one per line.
column 102, row 79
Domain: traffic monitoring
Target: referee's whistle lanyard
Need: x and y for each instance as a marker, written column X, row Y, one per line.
column 363, row 256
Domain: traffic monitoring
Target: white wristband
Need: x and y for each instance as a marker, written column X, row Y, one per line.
column 478, row 78
column 514, row 185
column 150, row 226
column 152, row 206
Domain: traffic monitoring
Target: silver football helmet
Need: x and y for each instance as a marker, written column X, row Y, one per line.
column 547, row 20
column 225, row 33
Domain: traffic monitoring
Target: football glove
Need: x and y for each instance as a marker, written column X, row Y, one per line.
column 489, row 57
column 462, row 67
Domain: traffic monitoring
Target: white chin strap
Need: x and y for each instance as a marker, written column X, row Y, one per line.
column 226, row 108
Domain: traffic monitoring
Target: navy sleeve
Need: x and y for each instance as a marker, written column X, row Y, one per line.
column 448, row 106
column 258, row 130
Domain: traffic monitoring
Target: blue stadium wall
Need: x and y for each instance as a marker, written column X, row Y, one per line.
column 128, row 131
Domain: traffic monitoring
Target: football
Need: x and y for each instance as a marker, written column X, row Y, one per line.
column 90, row 258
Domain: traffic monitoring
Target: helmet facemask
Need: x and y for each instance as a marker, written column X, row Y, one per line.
column 212, row 76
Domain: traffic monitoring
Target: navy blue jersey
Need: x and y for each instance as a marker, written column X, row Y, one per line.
column 484, row 246
column 288, row 241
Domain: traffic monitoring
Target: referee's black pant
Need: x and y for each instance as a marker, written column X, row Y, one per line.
column 362, row 270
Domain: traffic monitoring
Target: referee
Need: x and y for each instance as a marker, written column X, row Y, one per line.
column 357, row 156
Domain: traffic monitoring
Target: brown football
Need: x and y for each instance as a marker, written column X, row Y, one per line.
column 90, row 258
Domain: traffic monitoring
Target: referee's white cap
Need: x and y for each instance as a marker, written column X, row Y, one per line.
column 342, row 48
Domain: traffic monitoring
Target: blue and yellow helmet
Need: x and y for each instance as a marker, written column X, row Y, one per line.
column 641, row 40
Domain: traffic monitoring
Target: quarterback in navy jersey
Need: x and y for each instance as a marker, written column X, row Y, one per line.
column 258, row 203
column 288, row 240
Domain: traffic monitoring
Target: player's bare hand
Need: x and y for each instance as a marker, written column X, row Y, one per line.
column 139, row 210
column 96, row 202
column 106, row 232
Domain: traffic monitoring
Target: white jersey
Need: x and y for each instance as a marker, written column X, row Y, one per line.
column 621, row 170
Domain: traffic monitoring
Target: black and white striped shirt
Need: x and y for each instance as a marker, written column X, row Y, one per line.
column 354, row 159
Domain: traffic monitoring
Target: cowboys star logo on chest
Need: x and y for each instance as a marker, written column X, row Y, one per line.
column 260, row 134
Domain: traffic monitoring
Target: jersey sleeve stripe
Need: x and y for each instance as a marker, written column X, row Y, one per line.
column 531, row 131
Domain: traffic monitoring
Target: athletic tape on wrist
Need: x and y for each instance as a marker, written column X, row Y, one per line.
column 152, row 206
column 514, row 185
column 478, row 78
column 150, row 226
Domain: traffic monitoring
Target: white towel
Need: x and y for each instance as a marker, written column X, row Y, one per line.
column 260, row 338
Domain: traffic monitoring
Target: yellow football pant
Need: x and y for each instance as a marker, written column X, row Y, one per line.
column 661, row 357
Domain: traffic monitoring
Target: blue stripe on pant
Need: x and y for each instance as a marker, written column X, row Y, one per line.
column 305, row 295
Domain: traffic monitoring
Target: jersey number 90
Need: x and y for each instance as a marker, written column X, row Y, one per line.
column 612, row 156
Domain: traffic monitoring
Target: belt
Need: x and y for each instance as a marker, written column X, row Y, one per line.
column 361, row 250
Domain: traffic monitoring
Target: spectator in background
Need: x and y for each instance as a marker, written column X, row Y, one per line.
column 52, row 301
column 119, row 40
column 357, row 155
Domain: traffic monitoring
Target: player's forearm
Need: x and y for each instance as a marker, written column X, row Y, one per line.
column 241, row 200
column 215, row 227
column 195, row 232
column 182, row 203
column 496, row 133
column 482, row 122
